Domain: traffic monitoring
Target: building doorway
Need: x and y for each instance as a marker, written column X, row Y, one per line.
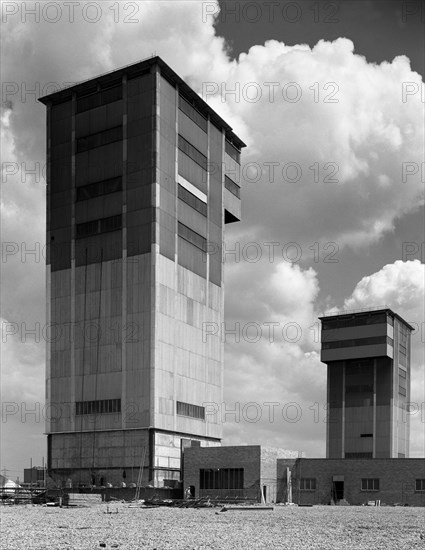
column 337, row 491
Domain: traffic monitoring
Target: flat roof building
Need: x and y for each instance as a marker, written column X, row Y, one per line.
column 256, row 473
column 241, row 473
column 357, row 482
column 368, row 384
column 142, row 176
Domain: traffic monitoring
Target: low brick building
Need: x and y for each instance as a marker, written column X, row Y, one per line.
column 248, row 471
column 243, row 471
column 357, row 481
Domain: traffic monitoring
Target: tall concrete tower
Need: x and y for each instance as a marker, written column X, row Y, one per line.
column 368, row 359
column 142, row 177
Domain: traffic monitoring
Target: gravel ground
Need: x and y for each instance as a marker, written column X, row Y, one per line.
column 320, row 527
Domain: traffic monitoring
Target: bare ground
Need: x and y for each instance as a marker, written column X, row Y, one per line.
column 320, row 527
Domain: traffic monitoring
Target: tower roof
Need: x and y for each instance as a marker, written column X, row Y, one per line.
column 365, row 311
column 138, row 69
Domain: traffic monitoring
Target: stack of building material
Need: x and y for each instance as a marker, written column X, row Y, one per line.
column 84, row 500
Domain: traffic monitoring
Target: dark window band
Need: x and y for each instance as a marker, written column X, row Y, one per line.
column 190, row 199
column 101, row 138
column 104, row 225
column 231, row 150
column 193, row 113
column 102, row 406
column 191, row 236
column 99, row 188
column 233, row 187
column 96, row 99
column 193, row 411
column 192, row 152
column 358, row 342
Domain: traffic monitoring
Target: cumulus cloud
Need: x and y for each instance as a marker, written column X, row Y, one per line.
column 275, row 383
column 400, row 285
column 339, row 135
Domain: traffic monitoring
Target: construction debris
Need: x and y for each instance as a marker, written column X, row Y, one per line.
column 245, row 508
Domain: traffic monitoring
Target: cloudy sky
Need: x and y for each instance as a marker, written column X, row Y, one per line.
column 327, row 96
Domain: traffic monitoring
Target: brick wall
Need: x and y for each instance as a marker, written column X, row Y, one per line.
column 247, row 457
column 259, row 465
column 397, row 479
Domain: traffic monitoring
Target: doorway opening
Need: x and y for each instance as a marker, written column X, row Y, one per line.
column 337, row 491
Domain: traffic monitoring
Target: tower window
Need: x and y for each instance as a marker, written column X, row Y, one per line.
column 193, row 411
column 190, row 199
column 233, row 187
column 102, row 406
column 192, row 237
column 232, row 151
column 192, row 152
column 95, row 227
column 96, row 99
column 99, row 139
column 99, row 188
column 192, row 113
column 357, row 342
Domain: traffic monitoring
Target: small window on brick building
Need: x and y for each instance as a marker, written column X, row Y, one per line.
column 370, row 484
column 420, row 485
column 308, row 484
